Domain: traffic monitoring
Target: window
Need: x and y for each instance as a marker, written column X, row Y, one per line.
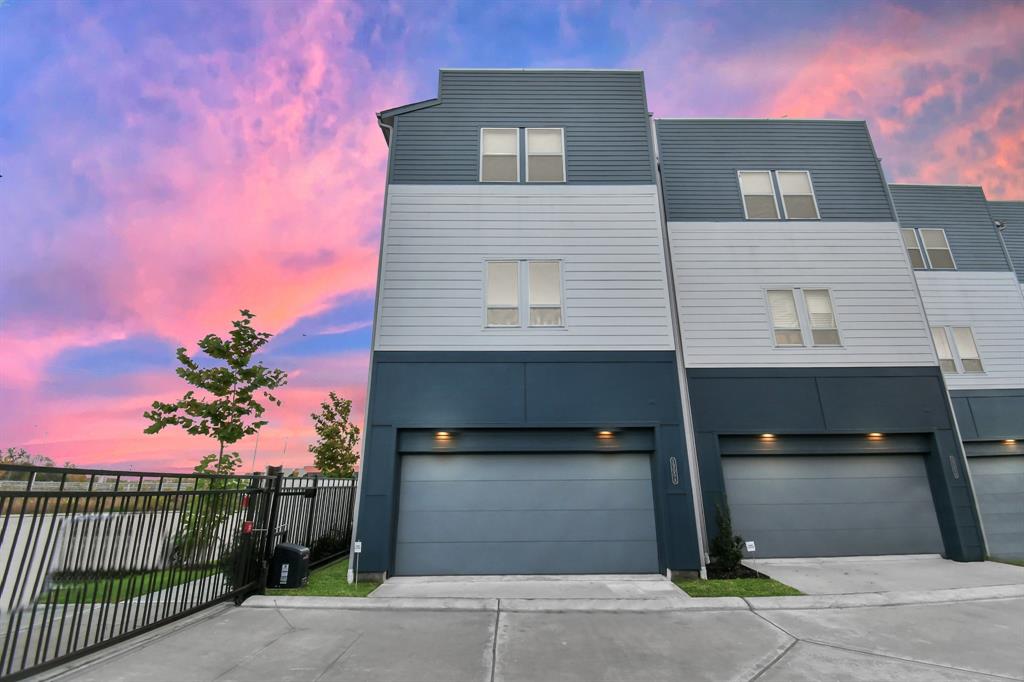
column 913, row 248
column 937, row 248
column 803, row 317
column 545, row 155
column 503, row 294
column 758, row 195
column 785, row 320
column 823, row 321
column 539, row 302
column 943, row 350
column 499, row 155
column 963, row 338
column 966, row 359
column 545, row 280
column 797, row 195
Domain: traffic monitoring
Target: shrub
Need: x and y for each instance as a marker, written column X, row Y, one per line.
column 727, row 548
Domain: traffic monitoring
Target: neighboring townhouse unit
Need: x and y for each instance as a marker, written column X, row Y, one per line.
column 819, row 408
column 524, row 413
column 972, row 297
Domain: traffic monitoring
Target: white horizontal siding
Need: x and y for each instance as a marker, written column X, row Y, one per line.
column 993, row 306
column 723, row 268
column 437, row 237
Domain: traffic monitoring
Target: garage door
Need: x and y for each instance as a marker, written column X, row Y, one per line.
column 831, row 505
column 999, row 485
column 526, row 514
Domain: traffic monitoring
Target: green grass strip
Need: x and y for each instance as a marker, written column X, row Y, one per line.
column 330, row 581
column 738, row 587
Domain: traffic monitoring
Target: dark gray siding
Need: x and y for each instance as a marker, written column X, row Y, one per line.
column 798, row 403
column 699, row 160
column 604, row 114
column 963, row 213
column 989, row 415
column 1012, row 214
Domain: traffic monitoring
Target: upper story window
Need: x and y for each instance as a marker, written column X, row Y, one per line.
column 802, row 317
column 499, row 155
column 935, row 254
column 965, row 358
column 797, row 195
column 758, row 196
column 538, row 303
column 545, row 155
column 761, row 190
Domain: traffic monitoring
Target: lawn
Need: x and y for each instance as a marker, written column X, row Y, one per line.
column 1012, row 562
column 737, row 587
column 330, row 581
column 119, row 588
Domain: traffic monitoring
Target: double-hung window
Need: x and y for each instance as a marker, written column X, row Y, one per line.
column 758, row 195
column 761, row 189
column 957, row 350
column 499, row 155
column 928, row 248
column 519, row 291
column 545, row 155
column 803, row 317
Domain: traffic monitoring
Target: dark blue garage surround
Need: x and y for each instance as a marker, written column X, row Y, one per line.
column 522, row 404
column 824, row 412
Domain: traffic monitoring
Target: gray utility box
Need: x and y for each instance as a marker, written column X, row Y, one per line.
column 289, row 566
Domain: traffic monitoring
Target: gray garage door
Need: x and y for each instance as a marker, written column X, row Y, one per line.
column 999, row 484
column 831, row 505
column 526, row 514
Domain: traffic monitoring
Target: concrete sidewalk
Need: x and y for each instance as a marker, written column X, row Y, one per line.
column 531, row 587
column 964, row 640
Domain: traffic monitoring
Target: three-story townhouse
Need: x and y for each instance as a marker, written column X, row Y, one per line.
column 819, row 409
column 964, row 266
column 524, row 412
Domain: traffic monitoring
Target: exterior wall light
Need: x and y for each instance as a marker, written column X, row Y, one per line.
column 443, row 435
column 1010, row 441
column 875, row 435
column 767, row 436
column 606, row 434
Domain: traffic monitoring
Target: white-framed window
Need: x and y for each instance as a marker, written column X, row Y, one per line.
column 785, row 318
column 913, row 248
column 502, row 293
column 957, row 350
column 803, row 317
column 797, row 194
column 545, row 155
column 499, row 155
column 966, row 349
column 544, row 278
column 758, row 195
column 936, row 247
column 522, row 293
column 943, row 350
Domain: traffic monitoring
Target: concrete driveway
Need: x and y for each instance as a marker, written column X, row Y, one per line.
column 530, row 587
column 492, row 640
column 856, row 575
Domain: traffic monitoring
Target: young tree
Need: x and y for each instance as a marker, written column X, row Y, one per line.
column 23, row 456
column 334, row 452
column 230, row 410
column 726, row 549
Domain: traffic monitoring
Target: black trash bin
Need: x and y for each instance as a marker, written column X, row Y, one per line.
column 289, row 566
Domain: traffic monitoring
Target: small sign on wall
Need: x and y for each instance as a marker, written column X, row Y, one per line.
column 357, row 547
column 750, row 546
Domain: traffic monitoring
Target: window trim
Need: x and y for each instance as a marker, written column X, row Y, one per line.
column 524, row 294
column 954, row 349
column 782, row 195
column 924, row 248
column 803, row 314
column 480, row 160
column 920, row 248
column 743, row 201
column 519, row 288
column 526, row 152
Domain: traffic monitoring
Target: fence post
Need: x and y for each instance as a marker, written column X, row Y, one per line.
column 312, row 515
column 274, row 490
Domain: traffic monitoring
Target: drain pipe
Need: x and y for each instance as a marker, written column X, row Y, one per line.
column 684, row 390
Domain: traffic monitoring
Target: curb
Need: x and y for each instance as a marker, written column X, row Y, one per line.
column 847, row 601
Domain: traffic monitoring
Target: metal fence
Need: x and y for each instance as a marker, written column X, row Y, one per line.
column 91, row 557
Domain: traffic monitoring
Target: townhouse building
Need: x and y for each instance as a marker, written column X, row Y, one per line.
column 524, row 409
column 961, row 247
column 595, row 329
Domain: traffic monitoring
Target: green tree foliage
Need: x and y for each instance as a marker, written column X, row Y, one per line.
column 229, row 410
column 334, row 452
column 727, row 548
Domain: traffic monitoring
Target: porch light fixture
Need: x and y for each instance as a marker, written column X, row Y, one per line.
column 605, row 434
column 767, row 436
column 1010, row 441
column 443, row 435
column 875, row 435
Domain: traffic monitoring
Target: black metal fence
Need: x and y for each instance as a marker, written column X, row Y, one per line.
column 91, row 557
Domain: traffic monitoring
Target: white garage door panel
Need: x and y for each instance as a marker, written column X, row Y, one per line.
column 832, row 505
column 523, row 514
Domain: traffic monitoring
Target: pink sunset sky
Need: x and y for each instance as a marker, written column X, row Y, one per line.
column 165, row 164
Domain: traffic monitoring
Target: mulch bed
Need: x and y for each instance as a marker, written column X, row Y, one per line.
column 739, row 572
